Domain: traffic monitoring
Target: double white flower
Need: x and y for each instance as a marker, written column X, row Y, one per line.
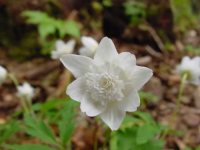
column 192, row 68
column 108, row 84
column 63, row 48
column 25, row 91
column 89, row 46
column 3, row 74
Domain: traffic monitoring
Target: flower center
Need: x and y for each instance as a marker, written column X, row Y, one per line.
column 104, row 87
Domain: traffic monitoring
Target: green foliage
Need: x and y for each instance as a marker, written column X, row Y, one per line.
column 39, row 129
column 137, row 132
column 148, row 97
column 188, row 148
column 107, row 3
column 58, row 112
column 136, row 11
column 184, row 17
column 28, row 147
column 192, row 49
column 49, row 26
column 7, row 130
column 67, row 123
column 64, row 119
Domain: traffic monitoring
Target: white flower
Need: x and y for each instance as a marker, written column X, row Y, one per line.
column 25, row 91
column 3, row 74
column 108, row 84
column 192, row 67
column 89, row 46
column 63, row 48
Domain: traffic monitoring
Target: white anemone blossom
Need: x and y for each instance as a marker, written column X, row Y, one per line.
column 192, row 68
column 89, row 46
column 3, row 74
column 63, row 48
column 25, row 91
column 108, row 84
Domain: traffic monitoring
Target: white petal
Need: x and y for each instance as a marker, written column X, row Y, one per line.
column 196, row 81
column 90, row 108
column 55, row 54
column 76, row 89
column 78, row 65
column 106, row 51
column 3, row 74
column 86, row 52
column 186, row 59
column 89, row 42
column 126, row 60
column 140, row 75
column 113, row 117
column 59, row 44
column 70, row 46
column 130, row 103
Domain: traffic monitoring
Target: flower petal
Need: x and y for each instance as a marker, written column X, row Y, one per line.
column 70, row 46
column 59, row 44
column 86, row 52
column 140, row 75
column 105, row 51
column 76, row 89
column 126, row 60
column 90, row 107
column 78, row 65
column 186, row 59
column 113, row 117
column 130, row 103
column 89, row 42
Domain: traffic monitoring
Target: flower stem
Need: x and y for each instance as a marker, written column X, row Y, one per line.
column 14, row 79
column 24, row 105
column 180, row 93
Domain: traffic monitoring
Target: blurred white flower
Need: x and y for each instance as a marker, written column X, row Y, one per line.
column 63, row 48
column 89, row 46
column 108, row 84
column 192, row 68
column 3, row 74
column 25, row 91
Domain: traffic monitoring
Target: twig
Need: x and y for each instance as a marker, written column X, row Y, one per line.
column 155, row 36
column 152, row 52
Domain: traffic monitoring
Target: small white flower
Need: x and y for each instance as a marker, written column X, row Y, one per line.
column 3, row 74
column 192, row 67
column 25, row 91
column 62, row 48
column 108, row 84
column 89, row 46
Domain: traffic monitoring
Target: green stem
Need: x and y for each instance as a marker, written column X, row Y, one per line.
column 14, row 79
column 180, row 93
column 24, row 105
column 23, row 100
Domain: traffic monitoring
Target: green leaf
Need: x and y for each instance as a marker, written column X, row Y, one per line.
column 39, row 129
column 29, row 147
column 46, row 29
column 145, row 116
column 145, row 133
column 8, row 130
column 35, row 17
column 68, row 28
column 66, row 131
column 53, row 103
column 48, row 25
column 67, row 124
